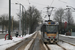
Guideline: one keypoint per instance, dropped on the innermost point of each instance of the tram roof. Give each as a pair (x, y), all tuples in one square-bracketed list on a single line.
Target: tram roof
[(50, 22)]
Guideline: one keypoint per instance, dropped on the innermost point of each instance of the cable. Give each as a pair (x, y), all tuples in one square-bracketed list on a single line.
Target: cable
[(37, 3), (52, 2), (29, 2), (62, 1)]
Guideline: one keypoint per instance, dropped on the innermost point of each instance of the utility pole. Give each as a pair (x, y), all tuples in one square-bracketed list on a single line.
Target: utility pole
[(22, 22), (12, 23), (49, 14), (9, 20), (30, 22), (25, 25), (20, 32)]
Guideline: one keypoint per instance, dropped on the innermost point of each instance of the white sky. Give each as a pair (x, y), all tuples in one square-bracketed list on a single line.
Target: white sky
[(39, 4)]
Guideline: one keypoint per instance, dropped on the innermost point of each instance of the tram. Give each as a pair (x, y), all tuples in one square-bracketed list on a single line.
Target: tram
[(50, 32)]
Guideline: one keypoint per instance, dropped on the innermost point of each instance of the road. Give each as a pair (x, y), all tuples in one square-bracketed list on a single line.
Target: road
[(67, 39), (35, 43), (21, 45)]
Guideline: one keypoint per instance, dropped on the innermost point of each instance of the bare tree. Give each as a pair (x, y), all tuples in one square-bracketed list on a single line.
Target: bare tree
[(31, 18), (5, 21), (69, 18), (59, 16)]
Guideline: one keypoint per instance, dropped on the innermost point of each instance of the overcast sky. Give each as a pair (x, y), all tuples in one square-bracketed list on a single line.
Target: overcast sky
[(39, 4)]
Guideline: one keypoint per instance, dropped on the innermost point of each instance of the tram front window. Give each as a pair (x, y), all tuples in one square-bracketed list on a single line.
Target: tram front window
[(51, 28)]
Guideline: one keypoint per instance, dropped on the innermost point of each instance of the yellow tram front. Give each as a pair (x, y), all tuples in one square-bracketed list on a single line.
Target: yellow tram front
[(50, 32)]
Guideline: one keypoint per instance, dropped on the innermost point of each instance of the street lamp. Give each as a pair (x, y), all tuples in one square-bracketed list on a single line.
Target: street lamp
[(23, 21), (70, 6), (20, 20)]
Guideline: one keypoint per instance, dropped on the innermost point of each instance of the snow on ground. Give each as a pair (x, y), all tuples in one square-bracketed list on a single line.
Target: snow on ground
[(67, 46), (63, 44), (67, 36), (54, 47), (40, 32), (8, 43)]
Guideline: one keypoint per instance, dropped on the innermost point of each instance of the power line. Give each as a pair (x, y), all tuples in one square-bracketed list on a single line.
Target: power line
[(29, 2), (62, 1), (65, 2), (52, 2), (37, 3), (49, 14)]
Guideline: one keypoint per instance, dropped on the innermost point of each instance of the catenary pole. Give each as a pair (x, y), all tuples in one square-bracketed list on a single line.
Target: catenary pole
[(9, 20), (20, 21)]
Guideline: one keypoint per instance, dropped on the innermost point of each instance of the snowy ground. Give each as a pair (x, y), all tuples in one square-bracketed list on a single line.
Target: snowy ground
[(7, 43), (63, 44), (54, 47), (66, 46), (67, 36)]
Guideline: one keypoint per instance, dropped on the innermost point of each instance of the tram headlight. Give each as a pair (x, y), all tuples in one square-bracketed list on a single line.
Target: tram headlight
[(49, 37), (54, 37)]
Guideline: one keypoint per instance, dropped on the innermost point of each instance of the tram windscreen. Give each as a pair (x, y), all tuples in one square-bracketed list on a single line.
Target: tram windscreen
[(51, 28)]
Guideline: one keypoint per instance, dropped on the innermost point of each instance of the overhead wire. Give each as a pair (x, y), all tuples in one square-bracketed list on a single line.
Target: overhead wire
[(65, 2), (62, 1), (29, 2), (36, 3), (52, 2)]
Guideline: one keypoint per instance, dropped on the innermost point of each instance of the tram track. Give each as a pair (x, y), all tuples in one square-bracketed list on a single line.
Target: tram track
[(35, 43), (67, 42), (47, 47), (21, 45), (60, 46), (54, 47), (50, 46), (30, 45)]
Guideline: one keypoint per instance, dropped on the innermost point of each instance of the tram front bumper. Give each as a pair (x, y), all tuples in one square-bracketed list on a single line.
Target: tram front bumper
[(50, 40), (53, 41)]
